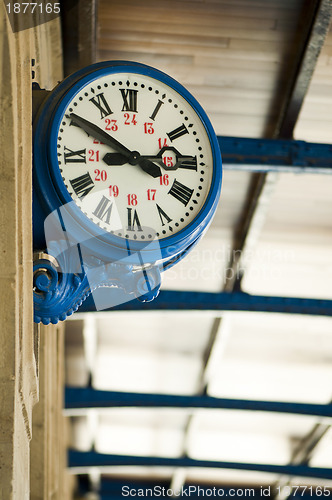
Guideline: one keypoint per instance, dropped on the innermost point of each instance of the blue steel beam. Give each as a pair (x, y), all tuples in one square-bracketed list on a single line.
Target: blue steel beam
[(77, 398), (224, 301), (81, 462), (275, 155)]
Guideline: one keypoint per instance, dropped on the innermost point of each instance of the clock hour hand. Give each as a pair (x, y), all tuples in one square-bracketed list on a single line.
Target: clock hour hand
[(132, 157), (120, 159), (112, 159)]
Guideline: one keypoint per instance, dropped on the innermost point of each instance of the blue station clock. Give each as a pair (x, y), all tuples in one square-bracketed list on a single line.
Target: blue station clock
[(127, 177)]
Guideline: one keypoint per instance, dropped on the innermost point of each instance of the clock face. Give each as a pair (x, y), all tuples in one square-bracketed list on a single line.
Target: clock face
[(134, 156)]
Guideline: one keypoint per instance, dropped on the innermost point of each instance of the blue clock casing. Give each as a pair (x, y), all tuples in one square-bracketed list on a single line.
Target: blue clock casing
[(65, 232)]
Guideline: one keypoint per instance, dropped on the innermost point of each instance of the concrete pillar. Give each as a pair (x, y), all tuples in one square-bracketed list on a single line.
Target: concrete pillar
[(49, 478), (19, 377)]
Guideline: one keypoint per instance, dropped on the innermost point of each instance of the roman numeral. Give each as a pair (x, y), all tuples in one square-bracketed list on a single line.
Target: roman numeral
[(129, 97), (133, 220), (156, 109), (178, 132), (74, 156), (181, 192), (190, 164), (101, 103), (82, 185), (163, 215), (103, 210)]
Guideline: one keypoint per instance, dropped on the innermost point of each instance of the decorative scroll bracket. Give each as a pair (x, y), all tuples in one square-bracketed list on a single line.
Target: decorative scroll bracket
[(63, 280)]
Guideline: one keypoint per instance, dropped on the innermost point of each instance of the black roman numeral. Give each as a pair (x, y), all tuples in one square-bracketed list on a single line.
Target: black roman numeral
[(103, 210), (190, 164), (82, 185), (181, 192), (163, 215), (156, 109), (133, 220), (74, 156), (178, 132), (129, 97), (101, 103)]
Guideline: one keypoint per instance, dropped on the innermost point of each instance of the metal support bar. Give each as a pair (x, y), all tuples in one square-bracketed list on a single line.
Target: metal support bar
[(275, 155), (224, 301), (313, 26), (81, 462), (315, 21), (302, 454), (77, 398)]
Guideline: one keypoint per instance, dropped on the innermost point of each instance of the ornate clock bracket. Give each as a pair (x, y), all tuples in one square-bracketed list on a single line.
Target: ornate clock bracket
[(58, 293)]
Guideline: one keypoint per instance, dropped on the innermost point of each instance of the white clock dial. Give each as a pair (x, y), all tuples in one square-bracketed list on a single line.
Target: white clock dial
[(152, 176)]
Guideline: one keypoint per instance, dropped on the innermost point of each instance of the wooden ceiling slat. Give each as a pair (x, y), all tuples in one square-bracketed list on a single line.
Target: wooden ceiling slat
[(186, 17), (194, 29), (261, 10)]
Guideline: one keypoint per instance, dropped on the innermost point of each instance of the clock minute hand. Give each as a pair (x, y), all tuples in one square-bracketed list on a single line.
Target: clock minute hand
[(100, 134), (132, 157)]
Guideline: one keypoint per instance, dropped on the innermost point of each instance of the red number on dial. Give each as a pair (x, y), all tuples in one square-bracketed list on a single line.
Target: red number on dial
[(101, 175), (148, 128), (151, 194), (164, 180), (114, 191), (130, 120), (168, 161), (110, 125), (94, 155), (132, 199), (162, 143)]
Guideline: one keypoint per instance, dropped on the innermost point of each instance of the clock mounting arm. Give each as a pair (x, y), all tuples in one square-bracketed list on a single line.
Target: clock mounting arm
[(59, 291)]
